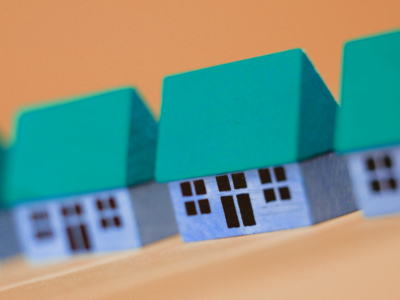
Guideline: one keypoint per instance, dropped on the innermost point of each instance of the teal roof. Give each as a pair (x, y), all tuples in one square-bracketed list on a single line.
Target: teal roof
[(370, 96), (263, 111), (97, 142), (2, 154)]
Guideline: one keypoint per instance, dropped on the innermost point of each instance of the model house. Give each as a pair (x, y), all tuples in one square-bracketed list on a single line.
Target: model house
[(247, 148), (368, 123), (81, 177), (9, 245)]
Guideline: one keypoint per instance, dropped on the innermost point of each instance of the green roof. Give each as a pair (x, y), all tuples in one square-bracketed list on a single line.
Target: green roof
[(263, 111), (97, 142), (370, 96), (2, 154)]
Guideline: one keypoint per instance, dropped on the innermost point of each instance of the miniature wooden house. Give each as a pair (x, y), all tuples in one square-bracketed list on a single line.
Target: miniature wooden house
[(81, 177), (246, 148), (368, 123), (9, 245)]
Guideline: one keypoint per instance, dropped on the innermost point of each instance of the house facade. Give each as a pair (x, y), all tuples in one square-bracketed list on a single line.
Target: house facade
[(80, 224), (101, 221), (375, 176), (367, 124), (81, 178), (241, 203), (9, 245), (246, 148)]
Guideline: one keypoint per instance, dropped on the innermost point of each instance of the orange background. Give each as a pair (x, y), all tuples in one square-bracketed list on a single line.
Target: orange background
[(53, 49)]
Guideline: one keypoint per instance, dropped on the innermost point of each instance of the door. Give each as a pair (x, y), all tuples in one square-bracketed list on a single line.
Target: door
[(76, 228)]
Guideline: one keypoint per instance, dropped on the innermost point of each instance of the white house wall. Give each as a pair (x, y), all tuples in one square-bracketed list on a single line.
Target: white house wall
[(269, 216), (374, 202), (102, 233)]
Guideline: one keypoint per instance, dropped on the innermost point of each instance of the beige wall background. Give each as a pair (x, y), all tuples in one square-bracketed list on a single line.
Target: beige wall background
[(55, 49)]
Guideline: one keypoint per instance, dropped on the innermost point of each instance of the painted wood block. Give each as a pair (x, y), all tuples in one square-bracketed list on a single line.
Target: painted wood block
[(328, 186), (153, 211), (81, 177), (262, 200), (367, 125), (370, 93), (9, 245), (2, 162), (375, 176), (96, 142), (98, 222), (269, 110), (245, 147)]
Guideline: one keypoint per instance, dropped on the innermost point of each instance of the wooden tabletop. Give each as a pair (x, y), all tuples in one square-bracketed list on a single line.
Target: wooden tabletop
[(345, 258)]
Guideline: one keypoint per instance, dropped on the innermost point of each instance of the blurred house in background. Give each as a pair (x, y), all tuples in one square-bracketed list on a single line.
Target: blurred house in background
[(80, 177)]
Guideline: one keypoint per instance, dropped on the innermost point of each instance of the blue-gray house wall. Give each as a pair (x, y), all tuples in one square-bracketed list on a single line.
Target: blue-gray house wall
[(375, 175), (102, 221), (262, 200), (9, 245)]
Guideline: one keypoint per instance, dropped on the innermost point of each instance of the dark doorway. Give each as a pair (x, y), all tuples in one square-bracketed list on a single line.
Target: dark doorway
[(76, 229)]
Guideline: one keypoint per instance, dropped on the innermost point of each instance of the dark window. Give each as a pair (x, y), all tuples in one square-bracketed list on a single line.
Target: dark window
[(387, 161), (284, 192), (265, 176), (65, 211), (78, 209), (44, 234), (112, 202), (186, 189), (39, 215), (269, 195), (85, 237), (223, 183), (375, 185), (99, 205), (246, 210), (41, 225), (71, 210), (280, 174), (392, 183), (78, 237), (200, 187), (371, 164), (117, 221), (190, 208), (77, 234), (204, 206), (239, 181), (111, 222), (106, 207), (230, 212), (73, 232)]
